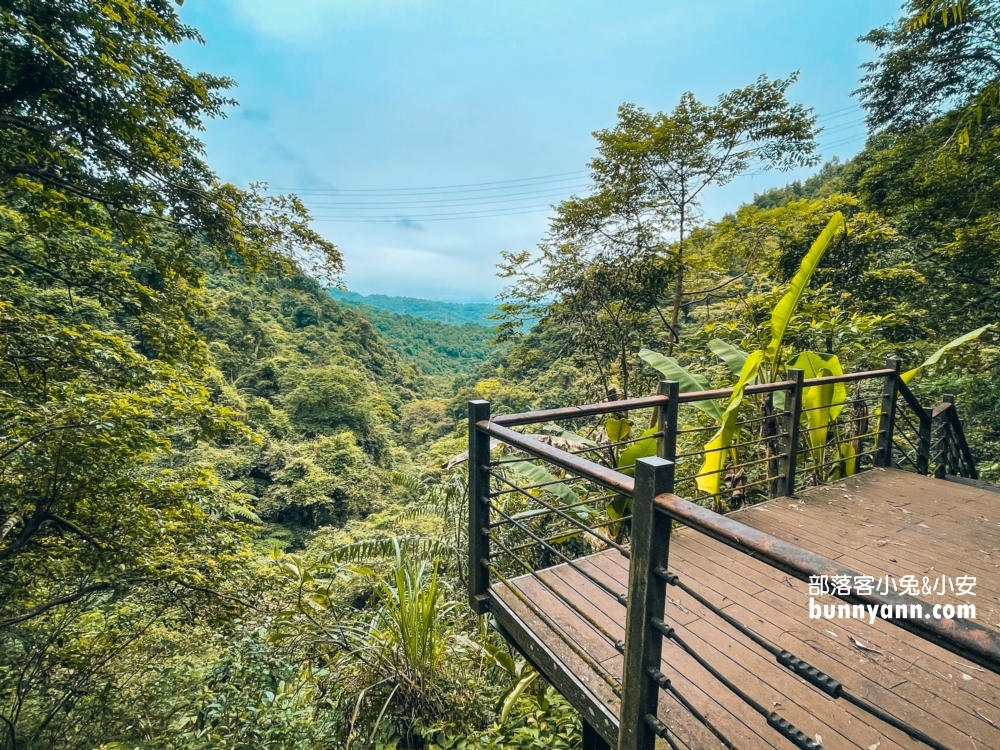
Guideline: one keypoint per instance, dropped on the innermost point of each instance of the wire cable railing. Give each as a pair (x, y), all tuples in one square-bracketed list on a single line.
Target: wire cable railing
[(552, 500)]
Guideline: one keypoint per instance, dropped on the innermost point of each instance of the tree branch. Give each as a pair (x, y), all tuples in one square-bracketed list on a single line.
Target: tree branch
[(57, 602), (70, 526), (727, 282)]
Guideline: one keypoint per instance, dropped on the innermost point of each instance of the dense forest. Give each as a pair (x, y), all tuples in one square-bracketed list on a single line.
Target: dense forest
[(226, 519), (452, 313), (433, 347)]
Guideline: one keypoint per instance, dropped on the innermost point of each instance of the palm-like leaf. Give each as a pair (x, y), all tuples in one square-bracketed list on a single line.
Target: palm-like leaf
[(782, 314)]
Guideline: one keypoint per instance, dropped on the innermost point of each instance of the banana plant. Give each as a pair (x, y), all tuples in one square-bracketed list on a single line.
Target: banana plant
[(761, 364), (716, 450), (783, 312), (907, 376), (821, 404)]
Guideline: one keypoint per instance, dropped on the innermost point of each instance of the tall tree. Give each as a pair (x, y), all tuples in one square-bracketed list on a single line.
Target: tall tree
[(107, 207), (604, 269), (939, 56), (668, 160)]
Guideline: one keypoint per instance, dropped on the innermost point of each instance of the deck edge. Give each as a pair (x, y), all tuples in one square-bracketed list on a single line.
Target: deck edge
[(555, 671)]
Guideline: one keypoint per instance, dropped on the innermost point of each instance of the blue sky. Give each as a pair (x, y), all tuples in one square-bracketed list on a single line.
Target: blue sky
[(429, 136)]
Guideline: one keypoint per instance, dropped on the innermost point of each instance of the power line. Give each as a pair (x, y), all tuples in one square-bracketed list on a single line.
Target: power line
[(475, 187), (499, 198), (480, 200), (838, 113), (440, 214), (842, 126), (423, 219), (844, 141)]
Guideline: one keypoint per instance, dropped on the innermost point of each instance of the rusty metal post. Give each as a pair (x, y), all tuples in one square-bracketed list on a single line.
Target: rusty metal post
[(479, 508), (646, 599), (940, 448), (887, 418), (790, 446), (924, 441), (948, 443), (666, 445)]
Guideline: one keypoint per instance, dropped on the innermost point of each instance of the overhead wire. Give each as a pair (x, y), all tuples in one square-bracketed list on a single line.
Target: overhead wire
[(492, 199)]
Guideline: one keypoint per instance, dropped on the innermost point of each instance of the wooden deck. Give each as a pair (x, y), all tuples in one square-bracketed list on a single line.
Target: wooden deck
[(879, 522)]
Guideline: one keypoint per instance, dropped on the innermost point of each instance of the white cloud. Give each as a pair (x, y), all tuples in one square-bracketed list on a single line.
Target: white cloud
[(416, 272)]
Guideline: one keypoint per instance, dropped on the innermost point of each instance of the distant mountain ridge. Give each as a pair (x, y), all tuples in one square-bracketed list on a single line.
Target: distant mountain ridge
[(451, 313)]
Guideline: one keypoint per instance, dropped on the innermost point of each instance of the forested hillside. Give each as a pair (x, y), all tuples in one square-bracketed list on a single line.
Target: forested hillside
[(433, 347), (452, 313), (226, 519)]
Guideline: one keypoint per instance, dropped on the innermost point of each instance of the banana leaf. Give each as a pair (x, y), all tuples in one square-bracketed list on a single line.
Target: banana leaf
[(847, 461), (821, 404), (622, 505), (688, 381), (715, 456), (907, 376), (782, 314), (731, 355), (536, 474), (641, 449), (617, 429)]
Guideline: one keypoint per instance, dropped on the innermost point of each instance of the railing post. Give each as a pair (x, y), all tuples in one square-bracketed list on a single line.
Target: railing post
[(479, 509), (966, 460), (887, 418), (793, 417), (666, 446), (924, 441), (949, 434), (646, 599), (941, 447)]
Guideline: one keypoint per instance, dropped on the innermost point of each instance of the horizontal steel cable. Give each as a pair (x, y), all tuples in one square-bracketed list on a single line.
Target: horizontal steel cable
[(661, 730), (557, 511), (839, 460), (564, 637), (758, 441), (574, 608), (800, 667), (561, 534), (538, 513), (619, 597), (665, 684), (565, 480), (785, 728)]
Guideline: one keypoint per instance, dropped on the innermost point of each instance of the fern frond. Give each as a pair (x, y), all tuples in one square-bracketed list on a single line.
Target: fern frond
[(399, 479), (410, 547)]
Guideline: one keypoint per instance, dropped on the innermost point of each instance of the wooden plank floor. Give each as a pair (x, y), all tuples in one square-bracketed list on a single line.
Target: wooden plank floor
[(879, 522)]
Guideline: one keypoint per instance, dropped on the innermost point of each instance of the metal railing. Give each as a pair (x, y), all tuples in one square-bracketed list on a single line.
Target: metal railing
[(611, 476)]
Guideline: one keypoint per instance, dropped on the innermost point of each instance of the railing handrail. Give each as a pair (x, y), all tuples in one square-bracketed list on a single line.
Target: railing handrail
[(646, 402), (608, 478), (656, 506), (962, 637)]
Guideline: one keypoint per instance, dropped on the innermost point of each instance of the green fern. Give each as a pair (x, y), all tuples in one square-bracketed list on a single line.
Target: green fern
[(413, 547)]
